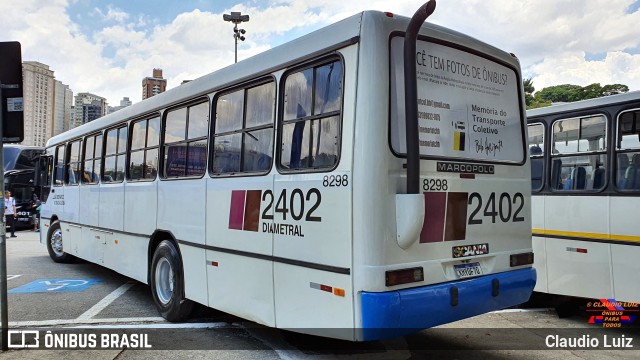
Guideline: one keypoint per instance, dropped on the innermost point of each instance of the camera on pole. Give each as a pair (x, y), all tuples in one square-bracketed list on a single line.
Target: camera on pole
[(238, 34)]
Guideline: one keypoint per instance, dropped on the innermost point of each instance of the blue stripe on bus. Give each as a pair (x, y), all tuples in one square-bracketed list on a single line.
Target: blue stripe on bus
[(401, 312)]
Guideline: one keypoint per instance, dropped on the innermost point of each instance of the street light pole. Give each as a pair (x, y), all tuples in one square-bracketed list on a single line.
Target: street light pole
[(236, 18), (235, 36)]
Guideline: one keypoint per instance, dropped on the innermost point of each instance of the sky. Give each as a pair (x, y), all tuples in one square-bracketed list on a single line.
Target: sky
[(106, 47)]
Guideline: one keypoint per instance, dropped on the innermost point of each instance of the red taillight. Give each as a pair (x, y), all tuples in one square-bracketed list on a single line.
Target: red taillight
[(389, 14), (521, 259), (404, 276)]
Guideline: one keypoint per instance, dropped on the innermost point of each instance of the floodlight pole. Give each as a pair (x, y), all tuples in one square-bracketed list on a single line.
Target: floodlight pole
[(235, 33), (236, 18)]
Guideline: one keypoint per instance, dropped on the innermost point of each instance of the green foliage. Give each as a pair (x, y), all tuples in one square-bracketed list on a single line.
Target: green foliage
[(537, 103), (614, 89), (528, 91), (559, 93), (528, 86), (567, 93)]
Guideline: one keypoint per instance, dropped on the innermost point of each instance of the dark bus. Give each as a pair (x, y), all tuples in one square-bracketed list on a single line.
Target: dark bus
[(19, 169)]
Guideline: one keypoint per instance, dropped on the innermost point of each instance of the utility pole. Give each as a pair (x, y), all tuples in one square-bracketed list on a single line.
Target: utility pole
[(238, 34), (11, 130)]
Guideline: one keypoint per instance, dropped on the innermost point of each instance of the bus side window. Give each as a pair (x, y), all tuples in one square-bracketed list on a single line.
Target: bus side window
[(115, 154), (623, 164), (598, 178), (578, 178), (311, 129), (185, 140), (628, 172), (243, 140), (58, 170), (556, 179), (632, 176), (537, 167)]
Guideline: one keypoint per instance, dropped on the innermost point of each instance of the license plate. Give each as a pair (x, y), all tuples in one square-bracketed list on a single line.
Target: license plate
[(468, 270)]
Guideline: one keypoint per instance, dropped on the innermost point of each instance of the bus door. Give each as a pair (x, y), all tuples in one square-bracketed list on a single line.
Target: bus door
[(55, 201), (72, 231), (240, 274), (42, 181), (42, 177), (237, 223), (311, 204)]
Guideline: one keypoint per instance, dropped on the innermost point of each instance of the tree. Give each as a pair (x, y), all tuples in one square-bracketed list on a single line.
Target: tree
[(614, 89), (568, 92), (560, 93), (538, 103), (528, 91), (528, 86)]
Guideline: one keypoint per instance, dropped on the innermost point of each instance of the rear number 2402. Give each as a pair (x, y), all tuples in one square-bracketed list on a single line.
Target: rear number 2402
[(508, 209)]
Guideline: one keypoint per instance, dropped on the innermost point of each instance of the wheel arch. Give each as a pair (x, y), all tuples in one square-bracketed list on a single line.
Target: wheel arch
[(156, 238)]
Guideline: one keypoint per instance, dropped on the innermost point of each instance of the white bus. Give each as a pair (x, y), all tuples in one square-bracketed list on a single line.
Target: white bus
[(277, 189), (585, 159)]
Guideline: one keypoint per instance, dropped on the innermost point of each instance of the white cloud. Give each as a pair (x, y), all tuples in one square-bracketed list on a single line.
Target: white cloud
[(112, 15), (552, 38), (117, 15), (572, 68)]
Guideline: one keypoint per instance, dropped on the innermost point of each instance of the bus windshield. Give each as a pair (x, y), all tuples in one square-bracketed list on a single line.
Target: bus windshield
[(18, 158)]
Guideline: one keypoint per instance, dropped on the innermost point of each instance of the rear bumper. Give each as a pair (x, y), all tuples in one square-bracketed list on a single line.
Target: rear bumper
[(397, 313)]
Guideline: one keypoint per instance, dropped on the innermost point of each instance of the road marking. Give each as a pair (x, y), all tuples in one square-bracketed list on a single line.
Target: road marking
[(102, 304), (59, 284), (11, 277), (55, 285), (214, 325), (69, 322)]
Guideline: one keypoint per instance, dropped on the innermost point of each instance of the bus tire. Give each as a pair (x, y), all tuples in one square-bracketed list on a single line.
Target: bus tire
[(54, 245), (167, 283)]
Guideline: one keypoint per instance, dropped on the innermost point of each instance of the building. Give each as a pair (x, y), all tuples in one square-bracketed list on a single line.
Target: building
[(153, 85), (88, 107), (61, 108), (38, 94), (123, 104)]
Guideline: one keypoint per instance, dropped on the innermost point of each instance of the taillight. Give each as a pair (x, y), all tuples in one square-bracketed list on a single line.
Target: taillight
[(404, 276), (521, 259)]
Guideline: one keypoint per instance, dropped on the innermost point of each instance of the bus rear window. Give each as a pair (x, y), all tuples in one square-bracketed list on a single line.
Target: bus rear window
[(468, 105)]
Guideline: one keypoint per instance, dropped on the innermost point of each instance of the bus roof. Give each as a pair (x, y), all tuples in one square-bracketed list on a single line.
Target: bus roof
[(585, 104), (334, 36)]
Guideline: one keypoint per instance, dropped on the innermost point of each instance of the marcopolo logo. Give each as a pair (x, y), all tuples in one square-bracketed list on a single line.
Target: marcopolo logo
[(465, 168)]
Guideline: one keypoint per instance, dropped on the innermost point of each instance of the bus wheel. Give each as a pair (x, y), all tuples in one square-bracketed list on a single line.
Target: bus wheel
[(54, 245), (167, 283)]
